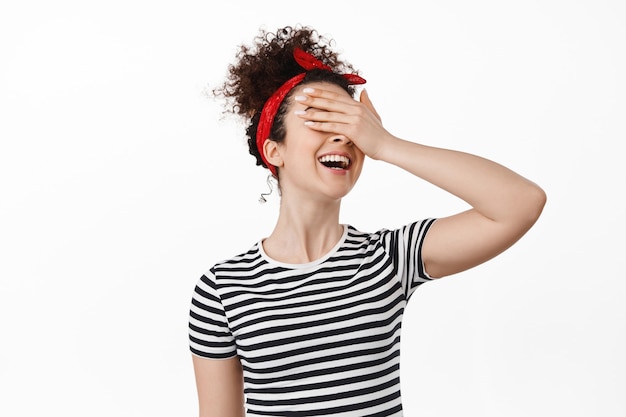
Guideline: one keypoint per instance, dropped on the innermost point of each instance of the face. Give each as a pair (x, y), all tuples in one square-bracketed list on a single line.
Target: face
[(315, 164)]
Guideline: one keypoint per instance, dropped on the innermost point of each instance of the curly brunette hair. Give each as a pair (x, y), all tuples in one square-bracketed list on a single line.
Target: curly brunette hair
[(260, 69)]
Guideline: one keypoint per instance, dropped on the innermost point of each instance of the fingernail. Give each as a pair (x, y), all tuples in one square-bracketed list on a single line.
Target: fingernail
[(299, 112), (299, 98), (307, 90)]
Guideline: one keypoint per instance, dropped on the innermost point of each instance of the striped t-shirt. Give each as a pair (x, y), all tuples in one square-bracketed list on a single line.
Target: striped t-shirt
[(314, 339)]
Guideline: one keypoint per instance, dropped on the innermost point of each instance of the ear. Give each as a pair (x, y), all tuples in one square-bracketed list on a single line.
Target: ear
[(272, 150)]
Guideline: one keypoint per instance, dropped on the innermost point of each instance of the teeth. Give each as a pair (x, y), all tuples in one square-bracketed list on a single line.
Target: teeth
[(343, 160)]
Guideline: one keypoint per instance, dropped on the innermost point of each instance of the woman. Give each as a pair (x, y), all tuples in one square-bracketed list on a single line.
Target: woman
[(307, 321)]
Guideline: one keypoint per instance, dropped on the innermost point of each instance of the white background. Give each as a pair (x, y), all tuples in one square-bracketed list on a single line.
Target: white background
[(120, 186)]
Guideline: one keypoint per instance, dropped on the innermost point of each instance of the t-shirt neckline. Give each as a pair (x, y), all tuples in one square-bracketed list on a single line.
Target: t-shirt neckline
[(316, 262)]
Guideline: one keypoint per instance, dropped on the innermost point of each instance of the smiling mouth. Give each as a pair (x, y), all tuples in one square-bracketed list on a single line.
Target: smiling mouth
[(335, 161)]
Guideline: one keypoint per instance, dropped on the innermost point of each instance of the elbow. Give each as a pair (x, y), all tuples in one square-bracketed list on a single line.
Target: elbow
[(532, 202)]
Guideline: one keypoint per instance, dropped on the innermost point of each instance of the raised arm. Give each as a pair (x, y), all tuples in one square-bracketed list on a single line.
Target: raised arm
[(504, 205), (220, 387)]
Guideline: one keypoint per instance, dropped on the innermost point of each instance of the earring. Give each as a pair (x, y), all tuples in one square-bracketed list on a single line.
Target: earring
[(262, 198)]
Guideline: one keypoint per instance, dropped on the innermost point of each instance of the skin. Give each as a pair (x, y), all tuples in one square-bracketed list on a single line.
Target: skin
[(323, 118), (220, 387)]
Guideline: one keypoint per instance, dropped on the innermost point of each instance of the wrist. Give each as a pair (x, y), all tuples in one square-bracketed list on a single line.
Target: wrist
[(385, 148)]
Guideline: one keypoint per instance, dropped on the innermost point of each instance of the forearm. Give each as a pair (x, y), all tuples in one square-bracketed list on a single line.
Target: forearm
[(493, 190)]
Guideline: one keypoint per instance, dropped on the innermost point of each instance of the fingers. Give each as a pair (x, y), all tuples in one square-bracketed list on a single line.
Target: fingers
[(326, 110), (329, 101), (365, 99), (338, 112), (325, 100)]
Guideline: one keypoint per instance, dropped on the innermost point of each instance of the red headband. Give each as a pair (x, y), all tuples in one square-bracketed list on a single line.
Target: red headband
[(308, 62)]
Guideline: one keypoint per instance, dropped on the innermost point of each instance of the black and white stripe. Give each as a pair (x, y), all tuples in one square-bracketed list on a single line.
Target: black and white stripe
[(316, 339)]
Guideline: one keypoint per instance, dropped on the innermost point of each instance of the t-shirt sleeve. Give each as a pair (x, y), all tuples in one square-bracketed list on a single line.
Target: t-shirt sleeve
[(209, 333), (404, 245)]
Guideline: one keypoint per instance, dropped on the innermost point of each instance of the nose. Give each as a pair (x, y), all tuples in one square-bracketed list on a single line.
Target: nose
[(341, 139)]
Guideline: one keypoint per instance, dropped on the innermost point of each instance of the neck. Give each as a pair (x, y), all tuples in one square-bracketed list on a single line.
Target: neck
[(304, 231)]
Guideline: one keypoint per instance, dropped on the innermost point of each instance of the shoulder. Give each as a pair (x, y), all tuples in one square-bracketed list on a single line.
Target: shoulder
[(416, 228), (240, 260)]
